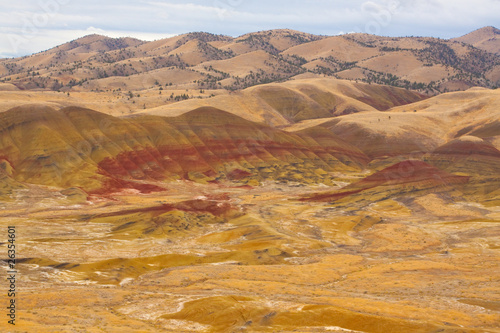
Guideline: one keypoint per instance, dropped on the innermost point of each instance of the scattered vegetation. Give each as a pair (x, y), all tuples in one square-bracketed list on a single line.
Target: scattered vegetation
[(79, 62)]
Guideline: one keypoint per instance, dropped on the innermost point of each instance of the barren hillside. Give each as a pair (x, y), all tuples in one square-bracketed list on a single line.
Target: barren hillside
[(274, 182)]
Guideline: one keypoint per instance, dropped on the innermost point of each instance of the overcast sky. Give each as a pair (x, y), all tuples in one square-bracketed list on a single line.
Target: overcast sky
[(30, 26)]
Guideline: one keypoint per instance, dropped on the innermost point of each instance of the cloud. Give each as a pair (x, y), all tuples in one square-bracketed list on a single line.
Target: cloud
[(442, 18)]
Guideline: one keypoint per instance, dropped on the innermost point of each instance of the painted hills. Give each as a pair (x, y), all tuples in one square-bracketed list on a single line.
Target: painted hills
[(308, 132), (265, 183), (74, 147)]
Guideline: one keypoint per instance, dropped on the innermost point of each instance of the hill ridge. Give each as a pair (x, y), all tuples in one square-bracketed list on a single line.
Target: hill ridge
[(78, 147), (424, 64)]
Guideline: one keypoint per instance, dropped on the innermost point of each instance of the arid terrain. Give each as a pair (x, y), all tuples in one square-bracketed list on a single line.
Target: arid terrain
[(274, 182)]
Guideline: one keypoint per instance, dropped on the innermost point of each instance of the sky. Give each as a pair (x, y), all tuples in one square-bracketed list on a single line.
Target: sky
[(31, 26)]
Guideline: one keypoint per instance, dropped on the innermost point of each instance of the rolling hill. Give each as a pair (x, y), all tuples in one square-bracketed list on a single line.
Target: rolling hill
[(282, 104), (220, 62), (274, 182), (487, 39), (75, 147)]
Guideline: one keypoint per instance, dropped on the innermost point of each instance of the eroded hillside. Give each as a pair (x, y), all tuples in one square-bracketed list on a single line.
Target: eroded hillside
[(310, 205)]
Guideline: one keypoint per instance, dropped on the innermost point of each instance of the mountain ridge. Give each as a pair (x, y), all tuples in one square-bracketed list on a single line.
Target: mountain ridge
[(486, 38), (425, 64)]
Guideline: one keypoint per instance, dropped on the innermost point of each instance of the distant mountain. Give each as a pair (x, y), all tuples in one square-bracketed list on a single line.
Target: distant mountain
[(97, 43), (487, 39), (202, 60)]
